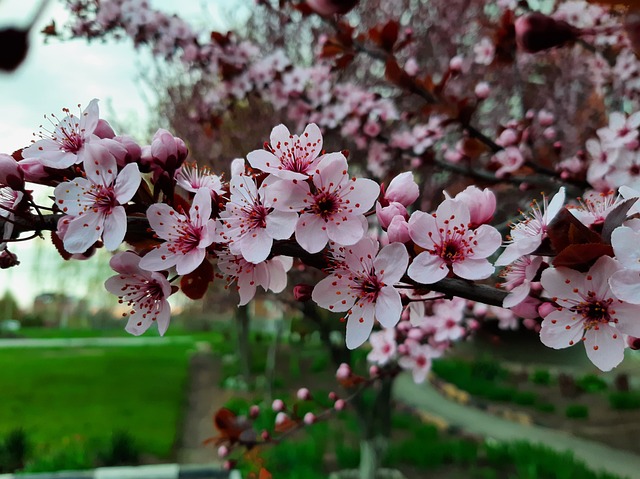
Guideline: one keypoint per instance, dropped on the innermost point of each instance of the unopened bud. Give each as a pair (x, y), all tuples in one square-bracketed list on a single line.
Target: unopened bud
[(254, 411), (303, 394), (302, 292), (309, 418), (223, 451), (633, 342), (278, 405), (482, 90), (331, 7), (339, 405), (344, 371), (374, 371)]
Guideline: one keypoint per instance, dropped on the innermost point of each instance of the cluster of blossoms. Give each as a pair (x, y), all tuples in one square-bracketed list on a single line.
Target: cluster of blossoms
[(295, 195), (294, 203)]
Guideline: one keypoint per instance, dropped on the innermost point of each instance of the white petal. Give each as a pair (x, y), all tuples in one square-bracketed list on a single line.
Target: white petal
[(427, 268), (604, 347), (359, 325), (388, 307), (115, 228)]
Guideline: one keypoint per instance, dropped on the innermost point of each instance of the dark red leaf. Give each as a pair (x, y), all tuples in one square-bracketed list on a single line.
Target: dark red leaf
[(566, 230), (616, 217), (389, 35), (195, 284), (582, 256)]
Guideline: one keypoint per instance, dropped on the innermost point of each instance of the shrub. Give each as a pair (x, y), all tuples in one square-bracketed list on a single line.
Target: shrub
[(70, 454), (524, 398), (13, 451), (624, 400), (577, 411), (546, 407), (591, 383), (122, 450), (541, 376)]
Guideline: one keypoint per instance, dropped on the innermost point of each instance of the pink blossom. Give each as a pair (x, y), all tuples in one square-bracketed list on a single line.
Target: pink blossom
[(481, 204), (594, 207), (146, 292), (621, 130), (484, 51), (364, 288), (625, 283), (191, 177), (95, 203), (186, 237), (527, 235), (510, 159), (334, 209), (418, 360), (270, 275), (482, 90), (165, 154), (65, 146), (249, 224), (291, 157), (403, 189), (518, 277), (450, 245), (589, 312), (383, 344)]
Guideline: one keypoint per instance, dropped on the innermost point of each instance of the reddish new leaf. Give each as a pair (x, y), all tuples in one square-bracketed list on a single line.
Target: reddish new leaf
[(389, 35), (264, 474), (581, 256), (566, 230), (397, 75), (194, 285)]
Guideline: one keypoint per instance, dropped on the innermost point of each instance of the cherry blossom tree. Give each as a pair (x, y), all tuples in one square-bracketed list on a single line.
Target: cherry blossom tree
[(394, 181)]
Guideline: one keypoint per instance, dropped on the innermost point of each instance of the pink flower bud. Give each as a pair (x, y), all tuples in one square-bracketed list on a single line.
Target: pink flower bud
[(331, 7), (333, 396), (265, 435), (536, 32), (33, 170), (549, 133), (508, 137), (254, 411), (545, 118), (11, 174), (481, 203), (387, 213), (344, 371), (132, 151), (456, 64), (545, 309), (398, 230), (277, 405), (402, 189), (339, 405), (104, 130), (411, 67), (374, 371), (303, 394), (403, 349), (223, 451), (633, 343), (281, 417), (302, 292), (309, 418), (531, 324), (482, 90)]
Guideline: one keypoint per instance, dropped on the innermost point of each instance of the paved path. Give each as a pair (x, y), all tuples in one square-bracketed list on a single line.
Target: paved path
[(596, 455), (92, 342)]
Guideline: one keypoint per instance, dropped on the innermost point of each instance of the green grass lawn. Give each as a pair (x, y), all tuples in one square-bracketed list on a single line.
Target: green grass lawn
[(57, 394)]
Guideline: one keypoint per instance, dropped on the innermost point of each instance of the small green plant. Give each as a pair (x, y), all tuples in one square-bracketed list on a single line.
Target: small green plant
[(71, 454), (577, 411), (591, 383), (624, 400), (541, 376), (524, 398), (13, 451), (546, 407), (122, 450)]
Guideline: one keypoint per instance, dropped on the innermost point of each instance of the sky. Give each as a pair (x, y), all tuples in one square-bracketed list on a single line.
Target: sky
[(60, 74)]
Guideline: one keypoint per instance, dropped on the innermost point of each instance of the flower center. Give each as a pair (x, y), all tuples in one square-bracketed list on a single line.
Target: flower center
[(105, 200), (594, 311), (326, 205)]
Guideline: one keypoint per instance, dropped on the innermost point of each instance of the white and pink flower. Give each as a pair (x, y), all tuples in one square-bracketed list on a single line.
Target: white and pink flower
[(249, 223), (589, 312), (383, 346), (65, 146), (145, 291), (270, 275), (450, 245), (186, 237), (95, 203), (334, 209), (363, 288), (527, 235), (291, 157)]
